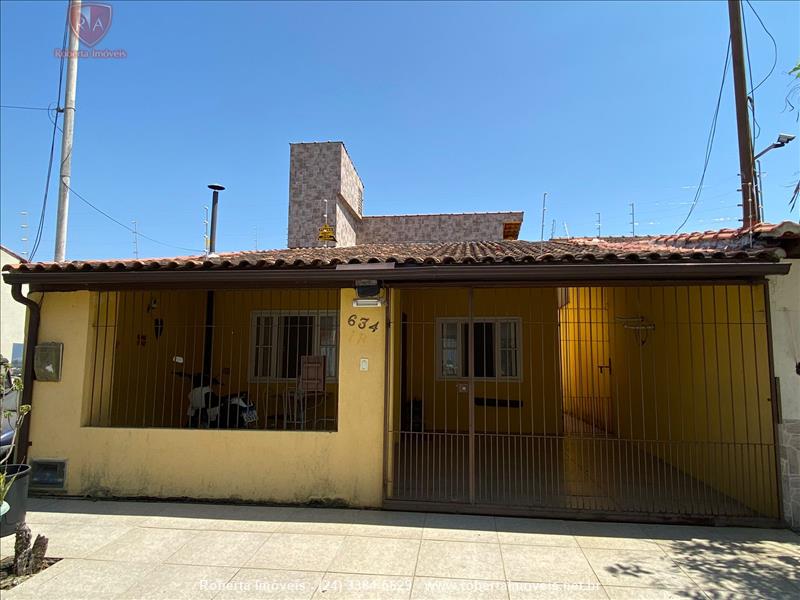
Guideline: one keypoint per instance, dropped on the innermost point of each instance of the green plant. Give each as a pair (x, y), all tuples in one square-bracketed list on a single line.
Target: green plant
[(21, 412)]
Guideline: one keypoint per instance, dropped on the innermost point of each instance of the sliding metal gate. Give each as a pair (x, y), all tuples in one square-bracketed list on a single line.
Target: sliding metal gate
[(646, 402)]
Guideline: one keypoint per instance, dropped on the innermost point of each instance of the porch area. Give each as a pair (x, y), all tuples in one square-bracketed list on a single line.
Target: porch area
[(647, 403)]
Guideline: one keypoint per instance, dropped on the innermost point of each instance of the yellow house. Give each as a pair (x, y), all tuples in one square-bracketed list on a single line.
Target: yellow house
[(562, 378)]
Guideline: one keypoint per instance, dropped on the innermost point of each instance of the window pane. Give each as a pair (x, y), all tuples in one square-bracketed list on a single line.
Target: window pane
[(484, 349), (508, 349), (327, 343), (262, 346), (297, 341), (449, 349)]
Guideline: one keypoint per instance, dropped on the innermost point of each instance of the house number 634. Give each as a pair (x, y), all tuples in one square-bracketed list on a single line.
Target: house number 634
[(363, 323)]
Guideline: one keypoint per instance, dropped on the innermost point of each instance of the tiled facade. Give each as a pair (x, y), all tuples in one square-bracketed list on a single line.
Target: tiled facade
[(465, 227), (323, 170), (789, 452)]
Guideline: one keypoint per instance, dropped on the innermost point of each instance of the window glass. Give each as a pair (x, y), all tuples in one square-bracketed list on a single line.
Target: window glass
[(327, 343), (495, 348), (297, 334), (449, 345), (263, 346)]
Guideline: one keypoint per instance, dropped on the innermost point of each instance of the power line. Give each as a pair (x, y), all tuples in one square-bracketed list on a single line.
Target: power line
[(40, 226), (124, 226), (774, 47), (710, 140), (15, 107)]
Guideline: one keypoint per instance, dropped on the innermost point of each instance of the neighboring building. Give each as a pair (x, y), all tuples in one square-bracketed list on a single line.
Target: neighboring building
[(323, 171), (12, 314), (631, 378)]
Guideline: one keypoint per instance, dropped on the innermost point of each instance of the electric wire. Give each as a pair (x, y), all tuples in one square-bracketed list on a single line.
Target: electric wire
[(135, 232), (17, 107), (710, 140), (40, 227), (774, 47)]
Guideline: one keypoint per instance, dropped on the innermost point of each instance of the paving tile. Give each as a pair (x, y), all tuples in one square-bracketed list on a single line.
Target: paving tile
[(637, 593), (434, 588), (297, 551), (319, 520), (464, 560), (546, 565), (93, 579), (68, 511), (77, 541), (526, 590), (534, 532), (364, 587), (189, 516), (264, 519), (172, 582), (460, 528), (31, 586), (743, 574), (376, 556), (618, 543), (267, 584), (143, 545), (636, 568), (384, 523), (218, 548)]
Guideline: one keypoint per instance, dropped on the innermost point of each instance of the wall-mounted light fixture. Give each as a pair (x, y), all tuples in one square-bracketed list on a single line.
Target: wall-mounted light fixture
[(368, 292)]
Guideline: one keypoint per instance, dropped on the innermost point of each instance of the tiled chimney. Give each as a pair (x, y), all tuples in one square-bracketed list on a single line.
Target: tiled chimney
[(320, 171)]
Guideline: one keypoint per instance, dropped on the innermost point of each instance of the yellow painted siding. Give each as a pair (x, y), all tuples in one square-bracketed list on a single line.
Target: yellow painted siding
[(690, 377), (444, 406), (280, 466)]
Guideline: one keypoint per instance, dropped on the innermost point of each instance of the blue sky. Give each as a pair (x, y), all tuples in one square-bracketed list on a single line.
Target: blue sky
[(443, 108)]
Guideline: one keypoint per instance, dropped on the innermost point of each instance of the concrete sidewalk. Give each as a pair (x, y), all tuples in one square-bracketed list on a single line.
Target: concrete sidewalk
[(170, 550)]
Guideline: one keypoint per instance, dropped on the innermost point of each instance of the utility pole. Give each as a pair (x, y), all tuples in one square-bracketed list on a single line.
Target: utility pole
[(746, 168), (598, 224), (544, 211), (633, 221), (74, 18)]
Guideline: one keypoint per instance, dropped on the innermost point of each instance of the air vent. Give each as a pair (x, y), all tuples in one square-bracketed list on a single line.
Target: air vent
[(48, 474)]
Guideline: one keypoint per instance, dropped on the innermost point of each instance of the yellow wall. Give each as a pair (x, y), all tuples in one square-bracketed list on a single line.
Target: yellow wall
[(696, 387), (280, 466), (585, 357), (445, 407)]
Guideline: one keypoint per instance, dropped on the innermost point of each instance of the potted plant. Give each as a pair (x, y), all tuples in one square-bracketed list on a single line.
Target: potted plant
[(13, 477)]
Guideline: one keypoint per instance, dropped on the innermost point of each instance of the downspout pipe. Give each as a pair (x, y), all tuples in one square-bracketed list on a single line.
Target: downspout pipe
[(31, 339)]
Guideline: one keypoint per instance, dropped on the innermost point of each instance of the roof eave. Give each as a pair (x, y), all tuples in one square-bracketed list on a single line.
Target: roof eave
[(553, 273)]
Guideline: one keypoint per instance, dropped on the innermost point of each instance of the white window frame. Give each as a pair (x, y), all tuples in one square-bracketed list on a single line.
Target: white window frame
[(460, 321), (277, 317)]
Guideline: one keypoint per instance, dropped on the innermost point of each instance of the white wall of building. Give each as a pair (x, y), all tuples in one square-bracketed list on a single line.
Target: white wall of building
[(12, 313)]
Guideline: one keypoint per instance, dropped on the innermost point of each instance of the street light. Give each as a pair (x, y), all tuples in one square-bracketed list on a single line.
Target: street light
[(783, 139)]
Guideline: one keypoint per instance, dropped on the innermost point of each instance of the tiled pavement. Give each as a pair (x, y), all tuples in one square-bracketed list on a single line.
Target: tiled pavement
[(168, 550)]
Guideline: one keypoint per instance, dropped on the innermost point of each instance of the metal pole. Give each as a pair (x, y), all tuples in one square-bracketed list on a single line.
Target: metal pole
[(68, 130), (598, 225), (544, 211), (746, 170), (135, 241), (212, 241), (633, 221)]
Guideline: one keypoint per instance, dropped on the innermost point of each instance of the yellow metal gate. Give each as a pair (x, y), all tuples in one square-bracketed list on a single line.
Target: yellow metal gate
[(641, 402)]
